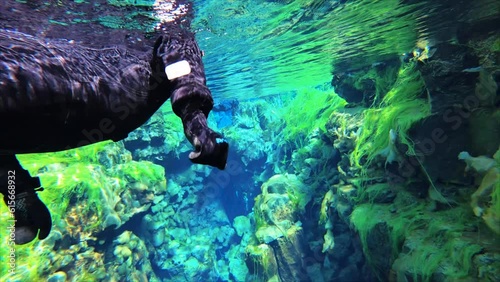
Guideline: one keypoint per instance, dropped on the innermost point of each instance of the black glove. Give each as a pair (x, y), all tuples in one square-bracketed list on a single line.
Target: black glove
[(31, 216), (210, 147)]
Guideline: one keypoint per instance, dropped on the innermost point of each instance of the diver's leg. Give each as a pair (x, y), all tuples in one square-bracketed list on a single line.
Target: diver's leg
[(19, 194)]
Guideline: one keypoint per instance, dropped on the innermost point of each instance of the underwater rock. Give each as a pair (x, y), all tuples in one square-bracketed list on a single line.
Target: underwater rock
[(122, 251), (158, 238), (242, 225), (247, 135), (66, 260), (93, 189), (344, 210), (148, 142), (237, 267), (329, 241), (463, 95), (289, 185), (475, 30), (150, 224), (327, 205), (420, 258), (222, 270), (186, 232), (438, 245), (111, 220), (342, 248), (378, 241), (484, 127), (446, 82), (281, 259), (443, 196), (224, 234), (453, 96), (312, 163), (243, 139), (288, 252), (267, 234), (347, 90), (261, 263), (178, 233), (104, 197), (485, 202), (349, 273), (437, 143), (365, 85), (59, 276), (315, 272), (54, 237), (278, 231), (379, 193), (123, 238), (274, 215), (172, 247), (201, 253), (347, 194), (488, 266), (343, 129), (193, 268), (129, 259)]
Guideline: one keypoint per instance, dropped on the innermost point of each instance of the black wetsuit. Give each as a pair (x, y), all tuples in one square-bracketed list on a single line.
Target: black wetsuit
[(55, 95), (88, 95)]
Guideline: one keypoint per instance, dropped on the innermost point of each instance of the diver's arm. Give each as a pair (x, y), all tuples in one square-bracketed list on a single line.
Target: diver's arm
[(56, 96), (191, 99)]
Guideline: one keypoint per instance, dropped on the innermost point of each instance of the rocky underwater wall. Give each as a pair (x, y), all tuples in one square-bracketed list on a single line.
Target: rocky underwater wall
[(411, 186)]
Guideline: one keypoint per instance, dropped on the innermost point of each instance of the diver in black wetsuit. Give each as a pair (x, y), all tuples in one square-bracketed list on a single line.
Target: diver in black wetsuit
[(56, 96)]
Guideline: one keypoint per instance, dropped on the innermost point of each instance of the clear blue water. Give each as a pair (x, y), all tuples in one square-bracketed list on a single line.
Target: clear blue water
[(313, 189)]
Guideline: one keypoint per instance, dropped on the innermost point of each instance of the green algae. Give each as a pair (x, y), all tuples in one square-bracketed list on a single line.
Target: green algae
[(422, 243), (402, 107), (80, 184), (496, 45), (66, 175), (308, 110), (382, 79), (263, 264), (89, 174), (25, 257), (372, 193)]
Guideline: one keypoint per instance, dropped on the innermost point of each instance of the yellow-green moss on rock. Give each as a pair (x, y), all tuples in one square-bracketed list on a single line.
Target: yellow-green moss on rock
[(87, 190)]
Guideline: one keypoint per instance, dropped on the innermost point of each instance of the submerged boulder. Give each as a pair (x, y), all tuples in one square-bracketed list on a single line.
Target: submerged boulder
[(485, 201), (91, 192), (278, 251), (366, 85), (462, 96)]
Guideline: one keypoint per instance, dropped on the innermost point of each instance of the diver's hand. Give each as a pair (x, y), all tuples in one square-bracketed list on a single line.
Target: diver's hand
[(32, 218), (210, 148)]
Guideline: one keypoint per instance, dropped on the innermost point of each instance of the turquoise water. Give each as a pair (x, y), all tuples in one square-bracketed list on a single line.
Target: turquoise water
[(364, 146), (263, 48)]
